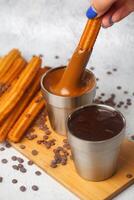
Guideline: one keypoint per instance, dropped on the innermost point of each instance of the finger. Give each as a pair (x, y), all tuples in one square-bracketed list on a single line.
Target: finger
[(120, 13), (99, 7), (107, 19)]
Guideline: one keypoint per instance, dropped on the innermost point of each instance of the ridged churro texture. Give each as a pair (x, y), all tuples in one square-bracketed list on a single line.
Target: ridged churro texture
[(22, 97)]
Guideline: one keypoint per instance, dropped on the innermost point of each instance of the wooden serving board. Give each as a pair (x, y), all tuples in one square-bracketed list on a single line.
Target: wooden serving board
[(67, 175)]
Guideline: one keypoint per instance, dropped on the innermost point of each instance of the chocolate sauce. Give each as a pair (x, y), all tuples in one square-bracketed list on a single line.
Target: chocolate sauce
[(95, 123)]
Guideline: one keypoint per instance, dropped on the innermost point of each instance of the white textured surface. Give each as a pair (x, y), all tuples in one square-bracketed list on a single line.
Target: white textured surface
[(53, 27)]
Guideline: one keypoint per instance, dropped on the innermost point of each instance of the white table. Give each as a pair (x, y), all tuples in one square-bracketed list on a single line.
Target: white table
[(53, 27)]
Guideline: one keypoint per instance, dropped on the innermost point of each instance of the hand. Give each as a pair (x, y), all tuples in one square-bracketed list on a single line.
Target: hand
[(112, 10)]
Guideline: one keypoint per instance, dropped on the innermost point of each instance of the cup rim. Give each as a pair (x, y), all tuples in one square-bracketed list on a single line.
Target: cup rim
[(64, 97), (98, 105)]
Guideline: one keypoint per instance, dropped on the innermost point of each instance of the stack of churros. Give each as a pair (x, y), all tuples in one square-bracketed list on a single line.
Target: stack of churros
[(20, 96)]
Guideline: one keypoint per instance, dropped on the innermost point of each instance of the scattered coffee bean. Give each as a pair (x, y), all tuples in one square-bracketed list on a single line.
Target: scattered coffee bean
[(92, 68), (48, 145), (102, 94), (35, 187), (119, 87), (97, 87), (8, 145), (41, 55), (53, 164), (56, 57), (125, 92), (65, 141), (23, 170), (34, 152), (48, 132), (20, 165), (22, 146), (125, 106), (129, 175), (14, 158), (45, 137), (30, 162), (1, 179), (63, 161), (14, 181), (114, 69), (22, 188), (109, 73), (38, 173), (97, 79), (40, 141), (4, 161), (132, 137), (2, 149), (20, 160), (15, 167)]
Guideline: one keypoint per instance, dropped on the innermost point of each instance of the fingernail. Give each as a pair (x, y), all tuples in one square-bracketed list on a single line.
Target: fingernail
[(111, 21), (91, 13)]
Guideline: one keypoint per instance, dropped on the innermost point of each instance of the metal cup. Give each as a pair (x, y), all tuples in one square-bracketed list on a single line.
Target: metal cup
[(59, 107), (96, 160)]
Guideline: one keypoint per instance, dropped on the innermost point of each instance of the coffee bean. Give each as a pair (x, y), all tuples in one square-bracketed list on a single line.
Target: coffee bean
[(92, 68), (48, 145), (119, 87), (22, 146), (4, 161), (97, 87), (132, 137), (8, 145), (56, 57), (20, 160), (20, 165), (121, 102), (109, 73), (48, 132), (38, 173), (30, 162), (125, 92), (22, 188), (53, 165), (129, 175), (14, 158), (1, 179), (125, 106), (15, 167), (45, 137), (97, 79), (40, 141), (65, 141), (114, 69), (102, 94), (35, 187), (34, 152), (129, 103), (63, 162), (2, 149), (41, 55), (23, 170), (14, 181)]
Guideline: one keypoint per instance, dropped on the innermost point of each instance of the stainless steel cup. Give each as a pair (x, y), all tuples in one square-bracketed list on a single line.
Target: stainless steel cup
[(59, 107), (96, 160)]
